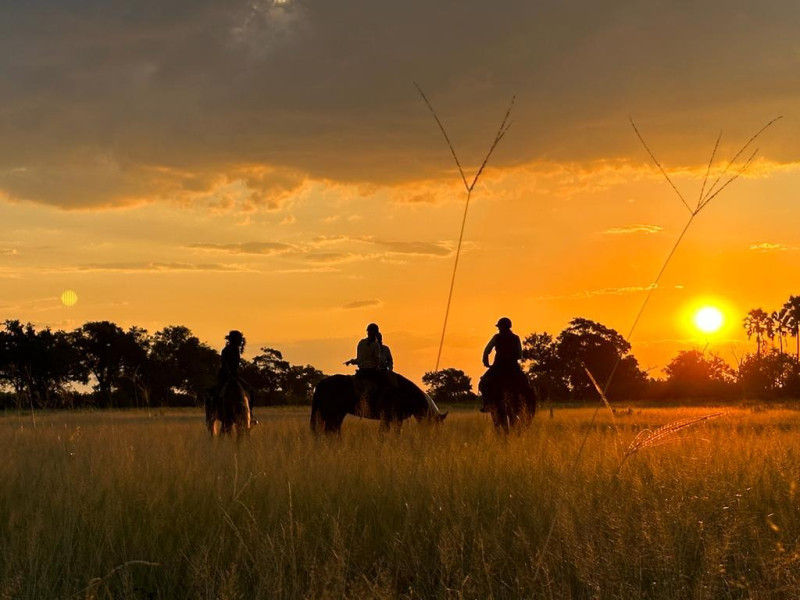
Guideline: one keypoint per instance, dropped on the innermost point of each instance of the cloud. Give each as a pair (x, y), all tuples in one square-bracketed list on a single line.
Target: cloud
[(361, 304), (239, 104), (618, 291), (308, 270), (267, 248), (769, 247), (8, 252), (633, 229), (156, 267), (354, 249), (417, 248)]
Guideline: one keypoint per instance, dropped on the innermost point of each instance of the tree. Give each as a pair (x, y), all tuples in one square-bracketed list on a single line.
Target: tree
[(449, 385), (792, 308), (759, 324), (692, 373), (780, 325), (586, 344), (300, 384), (39, 366), (268, 374), (769, 374), (105, 351), (180, 362), (543, 364)]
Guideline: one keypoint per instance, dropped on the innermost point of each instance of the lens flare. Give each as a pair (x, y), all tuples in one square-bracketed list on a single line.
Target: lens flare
[(69, 298), (709, 319)]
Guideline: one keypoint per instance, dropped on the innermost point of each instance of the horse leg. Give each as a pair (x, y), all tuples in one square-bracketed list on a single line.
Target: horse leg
[(385, 425), (333, 423)]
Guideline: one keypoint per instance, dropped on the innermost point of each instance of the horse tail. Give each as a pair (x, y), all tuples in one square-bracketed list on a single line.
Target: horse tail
[(317, 422)]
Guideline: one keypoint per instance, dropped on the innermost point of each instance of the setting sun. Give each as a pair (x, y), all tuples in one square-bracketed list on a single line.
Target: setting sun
[(709, 319)]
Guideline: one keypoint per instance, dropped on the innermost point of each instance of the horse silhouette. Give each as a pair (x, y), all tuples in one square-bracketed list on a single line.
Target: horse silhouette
[(511, 406), (228, 409), (340, 395)]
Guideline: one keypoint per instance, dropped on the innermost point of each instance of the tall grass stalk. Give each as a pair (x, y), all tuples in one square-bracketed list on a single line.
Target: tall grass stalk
[(505, 125), (704, 199)]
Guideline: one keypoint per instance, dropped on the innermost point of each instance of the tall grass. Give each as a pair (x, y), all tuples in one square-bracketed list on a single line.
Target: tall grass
[(118, 505)]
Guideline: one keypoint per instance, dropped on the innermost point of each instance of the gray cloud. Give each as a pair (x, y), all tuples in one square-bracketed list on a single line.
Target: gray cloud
[(361, 304), (268, 248), (111, 103), (311, 251)]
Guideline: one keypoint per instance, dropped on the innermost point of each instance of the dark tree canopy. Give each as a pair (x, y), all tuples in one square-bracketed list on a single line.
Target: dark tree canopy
[(558, 366), (449, 385)]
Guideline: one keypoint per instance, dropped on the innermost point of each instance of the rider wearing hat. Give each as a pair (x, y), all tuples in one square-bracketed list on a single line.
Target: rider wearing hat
[(507, 354), (228, 373), (230, 356)]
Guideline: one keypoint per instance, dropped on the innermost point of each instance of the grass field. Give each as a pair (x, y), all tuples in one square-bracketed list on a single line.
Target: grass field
[(127, 505)]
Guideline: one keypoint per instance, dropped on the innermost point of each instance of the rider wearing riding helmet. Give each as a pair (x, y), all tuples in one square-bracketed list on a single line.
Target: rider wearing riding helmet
[(507, 354)]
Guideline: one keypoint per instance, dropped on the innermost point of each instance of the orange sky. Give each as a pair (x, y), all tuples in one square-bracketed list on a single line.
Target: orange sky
[(269, 167)]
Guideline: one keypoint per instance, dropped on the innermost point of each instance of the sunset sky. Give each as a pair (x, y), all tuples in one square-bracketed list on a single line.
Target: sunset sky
[(269, 166)]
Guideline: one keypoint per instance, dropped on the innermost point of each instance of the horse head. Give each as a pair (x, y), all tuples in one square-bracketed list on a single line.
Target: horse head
[(431, 412)]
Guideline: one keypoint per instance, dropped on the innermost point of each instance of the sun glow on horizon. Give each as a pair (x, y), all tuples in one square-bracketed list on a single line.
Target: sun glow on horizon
[(709, 319)]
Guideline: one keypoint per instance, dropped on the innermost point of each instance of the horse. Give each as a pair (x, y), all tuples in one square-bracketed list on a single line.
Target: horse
[(340, 395), (229, 411), (511, 406)]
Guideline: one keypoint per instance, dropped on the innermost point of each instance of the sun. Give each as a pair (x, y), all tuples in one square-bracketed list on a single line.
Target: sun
[(709, 319), (69, 298)]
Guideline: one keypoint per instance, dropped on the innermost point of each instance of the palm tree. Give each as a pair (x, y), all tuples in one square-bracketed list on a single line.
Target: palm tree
[(758, 323), (792, 308), (780, 325)]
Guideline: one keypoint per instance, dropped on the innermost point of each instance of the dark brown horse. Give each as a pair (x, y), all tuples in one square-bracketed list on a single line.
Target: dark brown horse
[(228, 409), (511, 405), (340, 395)]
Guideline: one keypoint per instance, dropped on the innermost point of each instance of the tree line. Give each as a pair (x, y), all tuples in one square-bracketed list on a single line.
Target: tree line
[(172, 367), (558, 365), (131, 368)]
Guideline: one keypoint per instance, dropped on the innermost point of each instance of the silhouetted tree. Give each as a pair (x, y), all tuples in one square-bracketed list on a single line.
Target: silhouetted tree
[(449, 385), (769, 374), (180, 362), (792, 308), (780, 325), (586, 343), (136, 366), (105, 351), (276, 381), (692, 373), (38, 366), (544, 366), (267, 373), (759, 324), (300, 383)]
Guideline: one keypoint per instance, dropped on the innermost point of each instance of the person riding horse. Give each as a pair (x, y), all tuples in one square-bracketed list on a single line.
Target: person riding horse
[(375, 365), (228, 374), (505, 369)]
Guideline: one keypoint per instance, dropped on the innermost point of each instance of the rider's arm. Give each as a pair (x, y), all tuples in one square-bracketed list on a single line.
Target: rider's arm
[(388, 361), (488, 350), (519, 349)]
